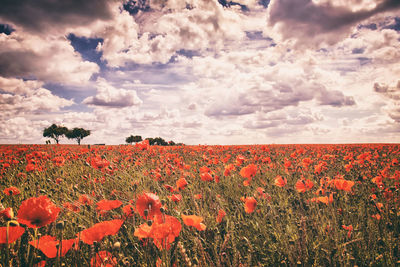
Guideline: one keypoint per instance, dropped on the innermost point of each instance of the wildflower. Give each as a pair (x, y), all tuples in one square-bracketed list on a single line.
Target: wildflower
[(349, 229), (14, 232), (194, 220), (149, 202), (163, 230), (36, 212), (105, 204), (175, 197), (250, 204), (279, 181), (181, 184), (304, 185), (48, 245), (342, 184), (128, 210), (221, 215), (11, 191), (98, 231)]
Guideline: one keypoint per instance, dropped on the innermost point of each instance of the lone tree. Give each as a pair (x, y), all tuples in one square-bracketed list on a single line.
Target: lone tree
[(78, 134), (131, 139), (55, 132)]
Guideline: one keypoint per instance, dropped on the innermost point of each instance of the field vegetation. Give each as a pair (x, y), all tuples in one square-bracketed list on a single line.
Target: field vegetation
[(255, 205)]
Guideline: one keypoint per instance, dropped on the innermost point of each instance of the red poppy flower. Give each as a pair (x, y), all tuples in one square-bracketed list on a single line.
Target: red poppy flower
[(143, 231), (128, 210), (279, 181), (324, 199), (250, 204), (74, 207), (304, 185), (169, 188), (249, 171), (14, 232), (194, 220), (181, 184), (221, 215), (48, 245), (228, 169), (342, 184), (85, 200), (198, 196), (36, 212), (103, 259), (164, 230), (176, 197), (98, 231), (59, 161), (349, 229), (105, 204), (149, 202), (11, 191), (206, 176)]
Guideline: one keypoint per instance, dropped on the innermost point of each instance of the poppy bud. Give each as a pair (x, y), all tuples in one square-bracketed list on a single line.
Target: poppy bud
[(60, 225), (146, 213), (81, 228), (162, 201), (117, 245), (162, 210), (7, 213), (149, 222)]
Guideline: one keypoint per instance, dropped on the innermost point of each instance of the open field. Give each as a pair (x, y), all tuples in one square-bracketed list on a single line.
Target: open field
[(258, 205)]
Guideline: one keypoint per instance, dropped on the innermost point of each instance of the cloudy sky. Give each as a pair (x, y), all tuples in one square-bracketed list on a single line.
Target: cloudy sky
[(201, 71)]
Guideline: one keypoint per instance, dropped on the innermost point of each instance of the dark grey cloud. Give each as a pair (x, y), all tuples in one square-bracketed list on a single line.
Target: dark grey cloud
[(41, 15), (311, 23)]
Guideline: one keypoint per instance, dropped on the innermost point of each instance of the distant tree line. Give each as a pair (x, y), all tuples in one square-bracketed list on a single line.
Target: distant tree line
[(152, 141), (56, 132)]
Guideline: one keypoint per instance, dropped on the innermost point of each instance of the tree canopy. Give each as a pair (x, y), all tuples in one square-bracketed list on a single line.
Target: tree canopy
[(78, 134), (55, 132), (131, 139)]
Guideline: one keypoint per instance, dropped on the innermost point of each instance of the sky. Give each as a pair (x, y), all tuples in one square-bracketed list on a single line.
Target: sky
[(201, 71)]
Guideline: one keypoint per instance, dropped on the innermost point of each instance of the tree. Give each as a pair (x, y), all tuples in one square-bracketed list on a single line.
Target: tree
[(131, 139), (78, 134), (157, 141), (55, 132)]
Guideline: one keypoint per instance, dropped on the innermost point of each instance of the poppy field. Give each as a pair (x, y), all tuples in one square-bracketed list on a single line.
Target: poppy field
[(255, 205)]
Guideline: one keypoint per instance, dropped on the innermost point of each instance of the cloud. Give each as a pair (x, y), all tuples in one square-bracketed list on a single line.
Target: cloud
[(310, 24), (170, 27), (42, 16), (28, 97), (392, 93), (109, 96), (47, 59)]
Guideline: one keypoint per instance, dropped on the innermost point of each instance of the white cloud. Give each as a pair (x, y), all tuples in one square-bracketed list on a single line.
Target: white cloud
[(109, 96)]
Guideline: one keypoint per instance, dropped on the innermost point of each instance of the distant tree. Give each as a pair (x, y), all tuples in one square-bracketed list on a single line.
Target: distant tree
[(157, 141), (171, 143), (55, 132), (131, 139), (78, 134)]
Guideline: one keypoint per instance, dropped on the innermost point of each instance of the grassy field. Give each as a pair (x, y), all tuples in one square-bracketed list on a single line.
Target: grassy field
[(258, 205)]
